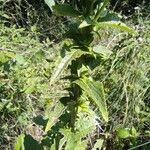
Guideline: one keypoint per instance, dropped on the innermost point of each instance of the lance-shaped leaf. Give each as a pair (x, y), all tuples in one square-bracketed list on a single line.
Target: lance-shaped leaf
[(96, 92), (115, 24), (50, 3), (65, 10), (75, 53)]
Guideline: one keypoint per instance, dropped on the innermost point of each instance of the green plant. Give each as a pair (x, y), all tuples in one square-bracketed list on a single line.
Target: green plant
[(84, 107)]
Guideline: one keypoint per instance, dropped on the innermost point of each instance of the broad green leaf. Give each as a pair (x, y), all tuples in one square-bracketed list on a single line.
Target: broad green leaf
[(123, 133), (104, 51), (54, 115), (96, 92), (75, 53), (50, 3), (115, 24), (19, 145), (98, 144), (65, 10)]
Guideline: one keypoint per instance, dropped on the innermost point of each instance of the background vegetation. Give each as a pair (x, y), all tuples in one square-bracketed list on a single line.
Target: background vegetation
[(30, 38)]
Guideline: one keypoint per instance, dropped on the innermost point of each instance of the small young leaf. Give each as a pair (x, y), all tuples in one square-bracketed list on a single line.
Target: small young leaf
[(65, 10)]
